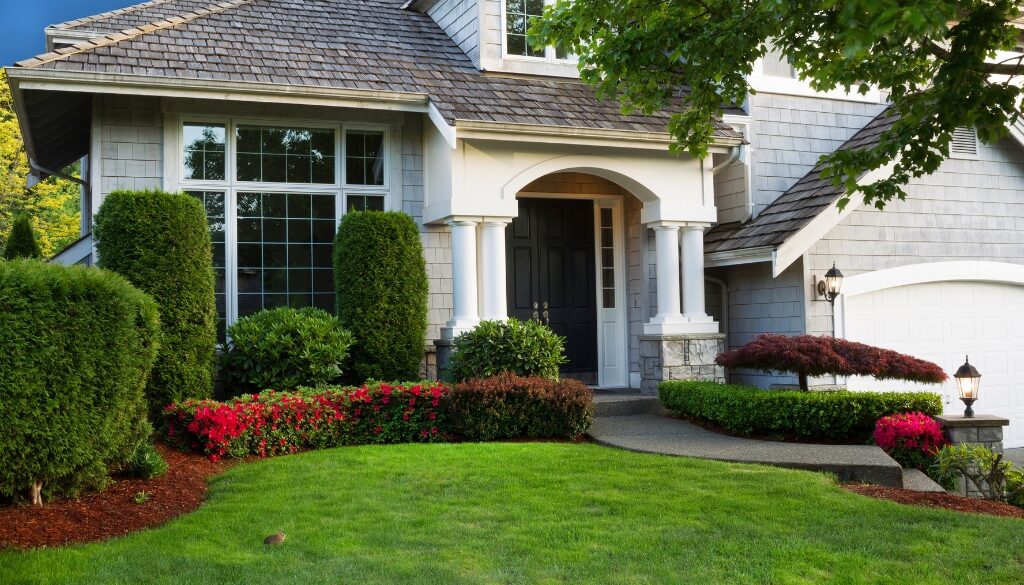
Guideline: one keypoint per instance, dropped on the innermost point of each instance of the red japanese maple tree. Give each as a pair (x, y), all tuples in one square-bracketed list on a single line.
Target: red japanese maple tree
[(810, 355)]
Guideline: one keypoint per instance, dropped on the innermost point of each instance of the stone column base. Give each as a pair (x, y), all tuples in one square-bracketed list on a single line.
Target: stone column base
[(679, 357), (981, 429)]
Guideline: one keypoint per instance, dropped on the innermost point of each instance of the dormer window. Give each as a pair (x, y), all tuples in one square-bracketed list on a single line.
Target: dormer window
[(519, 15)]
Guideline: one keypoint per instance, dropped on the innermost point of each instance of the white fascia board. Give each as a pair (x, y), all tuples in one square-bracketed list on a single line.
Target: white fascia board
[(109, 83), (736, 257), (60, 36), (537, 133), (1017, 132), (447, 131), (796, 245), (22, 115), (768, 84)]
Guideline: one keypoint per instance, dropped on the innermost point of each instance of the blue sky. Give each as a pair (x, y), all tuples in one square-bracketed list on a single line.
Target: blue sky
[(21, 28)]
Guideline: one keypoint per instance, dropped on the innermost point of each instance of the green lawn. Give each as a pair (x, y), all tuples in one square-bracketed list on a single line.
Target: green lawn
[(537, 513)]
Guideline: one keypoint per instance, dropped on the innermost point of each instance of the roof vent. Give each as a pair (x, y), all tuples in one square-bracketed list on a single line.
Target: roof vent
[(964, 143)]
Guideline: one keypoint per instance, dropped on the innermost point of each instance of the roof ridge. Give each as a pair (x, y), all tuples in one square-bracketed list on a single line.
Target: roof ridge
[(130, 33), (87, 19)]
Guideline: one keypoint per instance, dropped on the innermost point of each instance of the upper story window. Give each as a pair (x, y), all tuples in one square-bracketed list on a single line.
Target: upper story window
[(519, 16), (778, 65)]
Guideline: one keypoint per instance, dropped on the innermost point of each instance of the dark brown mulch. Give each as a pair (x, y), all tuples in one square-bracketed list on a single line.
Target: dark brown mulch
[(112, 512), (937, 500)]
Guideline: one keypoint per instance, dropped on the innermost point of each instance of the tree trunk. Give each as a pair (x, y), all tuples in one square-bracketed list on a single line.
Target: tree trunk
[(803, 380), (37, 493)]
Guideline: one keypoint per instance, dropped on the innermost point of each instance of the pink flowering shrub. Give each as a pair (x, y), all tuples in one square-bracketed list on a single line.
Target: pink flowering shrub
[(274, 423), (911, 438)]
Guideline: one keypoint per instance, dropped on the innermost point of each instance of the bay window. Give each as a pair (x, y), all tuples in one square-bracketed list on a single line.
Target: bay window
[(274, 193)]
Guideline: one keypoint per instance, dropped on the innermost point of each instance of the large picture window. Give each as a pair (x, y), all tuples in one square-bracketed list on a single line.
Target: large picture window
[(273, 193)]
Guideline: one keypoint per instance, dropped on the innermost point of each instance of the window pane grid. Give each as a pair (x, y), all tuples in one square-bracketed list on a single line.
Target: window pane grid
[(607, 259), (271, 154), (360, 202), (203, 151), (519, 16), (287, 259), (213, 202), (364, 157)]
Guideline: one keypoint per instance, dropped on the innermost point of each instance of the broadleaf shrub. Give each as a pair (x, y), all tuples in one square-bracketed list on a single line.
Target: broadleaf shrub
[(810, 355), (76, 348), (911, 438), (841, 416), (523, 348), (985, 471), (275, 423), (22, 242), (285, 348), (380, 279), (508, 406), (160, 242)]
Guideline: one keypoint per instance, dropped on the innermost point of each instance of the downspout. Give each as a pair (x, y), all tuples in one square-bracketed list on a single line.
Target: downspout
[(734, 155)]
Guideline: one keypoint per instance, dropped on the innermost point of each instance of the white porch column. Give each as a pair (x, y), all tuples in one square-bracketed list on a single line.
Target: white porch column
[(693, 275), (492, 263), (666, 243), (464, 287)]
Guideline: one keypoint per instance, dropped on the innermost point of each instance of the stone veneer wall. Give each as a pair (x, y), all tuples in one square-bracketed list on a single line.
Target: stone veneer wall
[(679, 357)]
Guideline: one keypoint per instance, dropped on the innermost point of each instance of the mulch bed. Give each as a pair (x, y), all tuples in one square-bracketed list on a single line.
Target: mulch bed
[(937, 500), (112, 512)]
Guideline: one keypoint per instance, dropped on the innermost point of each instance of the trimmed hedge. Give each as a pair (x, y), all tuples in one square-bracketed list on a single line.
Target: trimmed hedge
[(284, 348), (22, 242), (161, 243), (523, 348), (381, 283), (508, 406), (827, 416), (275, 423), (76, 349)]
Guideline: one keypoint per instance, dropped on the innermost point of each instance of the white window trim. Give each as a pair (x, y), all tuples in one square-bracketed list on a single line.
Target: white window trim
[(549, 51), (174, 181), (795, 86)]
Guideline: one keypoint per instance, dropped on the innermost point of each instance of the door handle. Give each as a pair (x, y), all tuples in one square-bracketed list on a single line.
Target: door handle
[(536, 315), (547, 316)]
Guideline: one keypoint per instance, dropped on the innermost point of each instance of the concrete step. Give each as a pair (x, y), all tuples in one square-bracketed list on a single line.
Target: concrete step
[(650, 433), (916, 480), (625, 404)]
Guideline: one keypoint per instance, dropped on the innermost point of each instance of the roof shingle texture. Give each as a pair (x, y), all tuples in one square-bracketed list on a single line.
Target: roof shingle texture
[(351, 44), (800, 204)]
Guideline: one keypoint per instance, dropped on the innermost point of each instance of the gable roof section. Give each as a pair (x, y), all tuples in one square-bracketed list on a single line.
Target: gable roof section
[(354, 44), (798, 206)]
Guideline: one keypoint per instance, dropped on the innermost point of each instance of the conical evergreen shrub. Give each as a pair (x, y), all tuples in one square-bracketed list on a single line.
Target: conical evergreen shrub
[(22, 243)]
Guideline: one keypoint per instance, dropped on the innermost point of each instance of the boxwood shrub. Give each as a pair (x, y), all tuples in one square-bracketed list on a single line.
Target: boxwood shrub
[(76, 348), (160, 242), (508, 406), (381, 282), (524, 348), (841, 416), (284, 348)]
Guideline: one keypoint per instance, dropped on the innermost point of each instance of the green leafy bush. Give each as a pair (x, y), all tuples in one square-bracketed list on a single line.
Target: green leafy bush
[(22, 243), (274, 423), (146, 462), (984, 471), (285, 348), (826, 416), (508, 406), (524, 348), (161, 243), (381, 282), (76, 348)]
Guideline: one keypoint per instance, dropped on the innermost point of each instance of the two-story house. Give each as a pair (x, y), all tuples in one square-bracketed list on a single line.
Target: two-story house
[(536, 199)]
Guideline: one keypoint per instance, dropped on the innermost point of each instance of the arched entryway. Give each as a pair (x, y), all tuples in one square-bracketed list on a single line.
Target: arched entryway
[(566, 266)]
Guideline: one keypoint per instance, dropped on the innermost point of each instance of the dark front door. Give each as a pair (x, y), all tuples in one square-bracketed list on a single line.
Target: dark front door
[(550, 251)]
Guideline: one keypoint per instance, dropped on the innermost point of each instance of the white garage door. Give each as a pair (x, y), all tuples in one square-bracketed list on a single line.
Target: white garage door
[(941, 322)]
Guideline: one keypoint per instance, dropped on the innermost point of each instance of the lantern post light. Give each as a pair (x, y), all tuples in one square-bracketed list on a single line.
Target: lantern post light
[(829, 286), (968, 379)]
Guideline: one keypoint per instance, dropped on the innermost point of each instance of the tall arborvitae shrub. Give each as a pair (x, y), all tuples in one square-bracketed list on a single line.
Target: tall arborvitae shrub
[(161, 243), (22, 243), (76, 349), (381, 282)]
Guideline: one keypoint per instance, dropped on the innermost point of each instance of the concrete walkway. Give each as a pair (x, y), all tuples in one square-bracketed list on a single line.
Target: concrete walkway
[(654, 433)]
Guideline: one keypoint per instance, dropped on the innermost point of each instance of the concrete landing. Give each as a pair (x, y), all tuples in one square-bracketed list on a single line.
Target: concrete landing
[(652, 433), (625, 402)]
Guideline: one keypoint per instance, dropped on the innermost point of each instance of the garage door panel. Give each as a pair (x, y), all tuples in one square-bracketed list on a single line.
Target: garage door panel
[(941, 322)]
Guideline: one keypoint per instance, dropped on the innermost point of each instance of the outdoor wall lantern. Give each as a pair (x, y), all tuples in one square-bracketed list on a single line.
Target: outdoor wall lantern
[(829, 286), (967, 380)]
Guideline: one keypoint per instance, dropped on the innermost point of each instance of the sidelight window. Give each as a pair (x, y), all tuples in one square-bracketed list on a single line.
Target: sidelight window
[(607, 259)]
